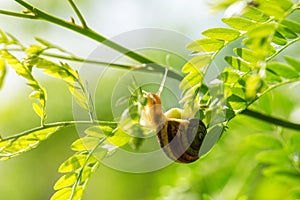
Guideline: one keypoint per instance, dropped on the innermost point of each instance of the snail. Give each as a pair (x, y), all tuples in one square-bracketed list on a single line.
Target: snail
[(180, 139)]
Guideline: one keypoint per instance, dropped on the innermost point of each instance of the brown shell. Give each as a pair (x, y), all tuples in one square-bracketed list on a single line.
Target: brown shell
[(181, 139)]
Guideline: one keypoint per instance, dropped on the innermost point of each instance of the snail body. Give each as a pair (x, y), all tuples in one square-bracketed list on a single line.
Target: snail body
[(180, 139)]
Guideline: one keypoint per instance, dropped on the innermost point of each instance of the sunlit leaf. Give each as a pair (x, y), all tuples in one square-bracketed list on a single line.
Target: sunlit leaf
[(225, 34), (38, 110), (50, 45), (34, 50), (79, 97), (291, 24), (253, 85), (262, 31), (62, 194), (255, 14), (191, 80), (99, 131), (65, 181), (15, 146), (238, 63), (85, 143), (263, 141), (120, 138), (286, 32), (246, 54), (239, 23), (236, 103), (230, 76), (2, 72), (282, 70), (295, 63), (272, 9), (206, 45), (197, 64), (73, 163), (273, 157), (279, 39), (16, 64)]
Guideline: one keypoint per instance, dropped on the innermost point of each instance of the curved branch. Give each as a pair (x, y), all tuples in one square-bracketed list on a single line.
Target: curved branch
[(272, 120), (78, 13), (41, 15), (61, 125)]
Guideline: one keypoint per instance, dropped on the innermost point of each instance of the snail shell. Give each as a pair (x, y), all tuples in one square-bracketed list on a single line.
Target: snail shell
[(180, 139)]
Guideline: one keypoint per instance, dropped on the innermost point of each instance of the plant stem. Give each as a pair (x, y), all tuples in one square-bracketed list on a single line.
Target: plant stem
[(283, 48), (61, 125), (14, 14), (78, 13), (39, 14), (272, 120)]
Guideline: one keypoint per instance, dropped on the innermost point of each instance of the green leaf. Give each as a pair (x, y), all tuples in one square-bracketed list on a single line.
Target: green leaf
[(34, 50), (38, 109), (17, 65), (120, 138), (230, 76), (62, 194), (100, 153), (263, 141), (272, 9), (50, 45), (197, 64), (99, 131), (272, 77), (286, 32), (279, 39), (273, 157), (79, 97), (206, 45), (3, 37), (246, 54), (292, 25), (253, 85), (283, 172), (73, 163), (295, 63), (2, 72), (236, 103), (15, 146), (239, 23), (262, 31), (237, 63), (225, 34), (255, 14), (65, 181), (44, 133), (85, 143), (66, 193), (282, 70), (191, 80)]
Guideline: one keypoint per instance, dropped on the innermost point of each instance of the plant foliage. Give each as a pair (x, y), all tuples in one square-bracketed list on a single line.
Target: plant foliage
[(262, 30)]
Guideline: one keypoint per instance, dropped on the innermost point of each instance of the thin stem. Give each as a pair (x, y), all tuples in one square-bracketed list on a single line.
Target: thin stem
[(78, 13), (14, 14), (61, 125), (283, 48), (272, 120), (39, 14)]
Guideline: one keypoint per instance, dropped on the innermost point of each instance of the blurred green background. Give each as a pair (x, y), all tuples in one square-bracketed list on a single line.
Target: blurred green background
[(229, 171)]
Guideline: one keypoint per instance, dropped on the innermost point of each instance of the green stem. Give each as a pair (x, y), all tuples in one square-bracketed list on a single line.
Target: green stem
[(272, 120), (78, 13), (39, 14), (62, 125), (14, 14), (283, 48)]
